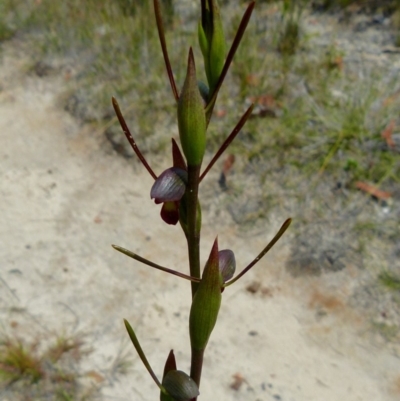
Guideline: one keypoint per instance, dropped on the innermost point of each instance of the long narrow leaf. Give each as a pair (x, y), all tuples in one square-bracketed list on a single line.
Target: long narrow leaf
[(152, 264), (274, 240), (129, 136), (239, 34), (141, 354), (228, 140), (161, 35)]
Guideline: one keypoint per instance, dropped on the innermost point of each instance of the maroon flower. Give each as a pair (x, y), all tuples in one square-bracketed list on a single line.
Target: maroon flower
[(168, 189), (227, 264)]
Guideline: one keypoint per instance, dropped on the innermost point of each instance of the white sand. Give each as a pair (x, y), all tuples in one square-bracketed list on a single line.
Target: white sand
[(64, 201)]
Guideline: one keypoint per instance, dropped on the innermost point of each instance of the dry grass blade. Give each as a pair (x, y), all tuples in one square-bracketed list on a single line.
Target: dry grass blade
[(373, 191), (387, 134)]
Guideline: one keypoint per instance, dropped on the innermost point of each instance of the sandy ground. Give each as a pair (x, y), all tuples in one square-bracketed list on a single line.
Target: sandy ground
[(66, 197)]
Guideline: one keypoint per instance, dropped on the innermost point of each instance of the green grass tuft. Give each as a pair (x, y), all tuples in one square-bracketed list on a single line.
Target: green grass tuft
[(19, 361), (36, 370), (389, 280)]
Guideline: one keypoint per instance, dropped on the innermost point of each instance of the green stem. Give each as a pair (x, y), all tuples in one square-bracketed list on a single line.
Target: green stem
[(193, 240), (193, 228), (196, 366)]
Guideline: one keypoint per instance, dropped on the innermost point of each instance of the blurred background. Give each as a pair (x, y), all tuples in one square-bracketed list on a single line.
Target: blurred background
[(323, 144)]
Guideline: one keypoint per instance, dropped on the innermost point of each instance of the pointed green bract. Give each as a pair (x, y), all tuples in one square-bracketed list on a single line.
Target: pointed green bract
[(192, 118), (203, 41), (212, 42), (206, 302), (218, 47)]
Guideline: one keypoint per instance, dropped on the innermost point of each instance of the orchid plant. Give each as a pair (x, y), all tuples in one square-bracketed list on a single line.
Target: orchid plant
[(177, 190)]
